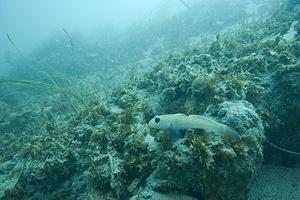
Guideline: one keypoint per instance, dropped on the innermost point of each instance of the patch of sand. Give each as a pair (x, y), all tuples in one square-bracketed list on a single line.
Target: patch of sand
[(276, 183)]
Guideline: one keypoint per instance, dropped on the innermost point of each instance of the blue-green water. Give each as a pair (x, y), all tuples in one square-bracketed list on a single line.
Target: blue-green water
[(78, 89)]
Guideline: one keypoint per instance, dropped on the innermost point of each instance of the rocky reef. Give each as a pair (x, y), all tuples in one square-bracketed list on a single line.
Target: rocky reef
[(247, 79)]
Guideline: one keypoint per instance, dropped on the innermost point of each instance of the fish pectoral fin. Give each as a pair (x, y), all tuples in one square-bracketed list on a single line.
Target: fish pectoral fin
[(175, 133)]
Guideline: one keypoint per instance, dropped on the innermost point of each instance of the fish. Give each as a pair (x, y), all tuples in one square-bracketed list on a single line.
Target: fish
[(176, 123)]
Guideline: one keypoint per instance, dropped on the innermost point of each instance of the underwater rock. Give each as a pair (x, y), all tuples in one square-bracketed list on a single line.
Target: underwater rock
[(240, 115), (44, 177), (284, 115), (16, 120), (106, 150), (165, 196), (209, 167), (9, 176)]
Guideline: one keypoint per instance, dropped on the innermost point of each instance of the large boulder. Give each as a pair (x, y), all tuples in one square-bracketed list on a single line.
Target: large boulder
[(212, 167)]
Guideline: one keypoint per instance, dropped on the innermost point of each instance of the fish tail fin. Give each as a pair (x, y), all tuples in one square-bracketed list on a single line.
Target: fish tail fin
[(230, 131)]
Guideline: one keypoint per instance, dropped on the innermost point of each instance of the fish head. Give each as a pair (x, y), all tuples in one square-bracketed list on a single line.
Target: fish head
[(159, 122)]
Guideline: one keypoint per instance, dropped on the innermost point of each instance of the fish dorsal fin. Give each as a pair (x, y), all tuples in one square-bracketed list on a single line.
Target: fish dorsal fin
[(200, 116), (203, 118), (197, 116), (181, 114)]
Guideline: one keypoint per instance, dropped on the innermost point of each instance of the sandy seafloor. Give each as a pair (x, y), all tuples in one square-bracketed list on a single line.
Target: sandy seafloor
[(276, 183)]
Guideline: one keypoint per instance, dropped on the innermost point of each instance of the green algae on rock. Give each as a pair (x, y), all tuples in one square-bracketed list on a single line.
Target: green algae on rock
[(107, 151)]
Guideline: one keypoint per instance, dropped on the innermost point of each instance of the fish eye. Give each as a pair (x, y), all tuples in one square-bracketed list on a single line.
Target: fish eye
[(157, 120)]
